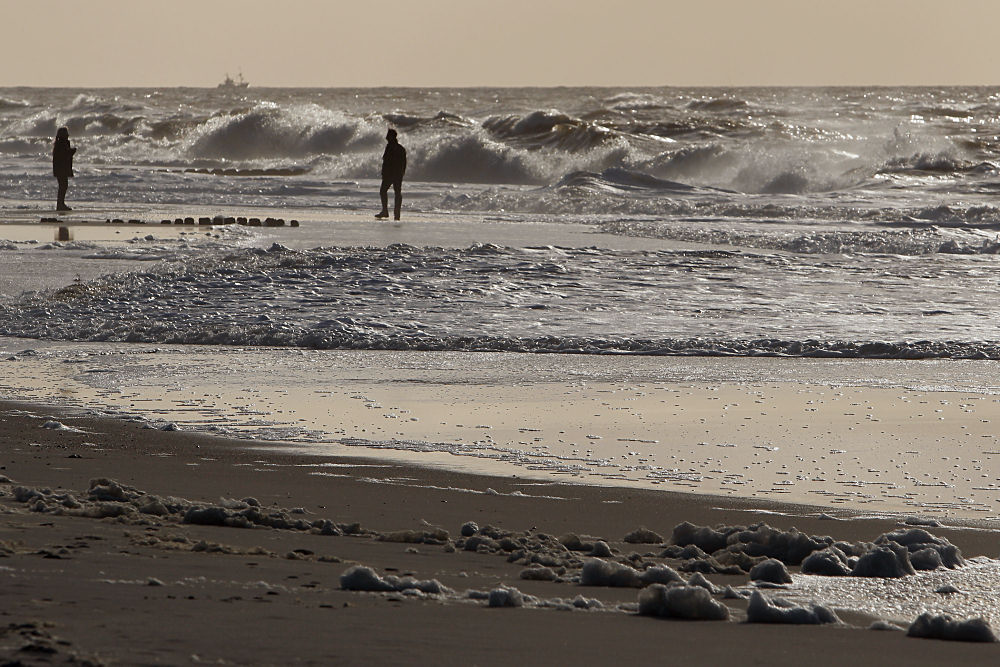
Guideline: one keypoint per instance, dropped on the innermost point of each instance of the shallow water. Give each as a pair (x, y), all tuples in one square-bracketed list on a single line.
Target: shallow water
[(531, 299), (902, 600), (877, 437)]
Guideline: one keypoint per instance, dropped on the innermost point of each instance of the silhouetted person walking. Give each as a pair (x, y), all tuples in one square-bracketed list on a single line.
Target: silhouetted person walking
[(393, 168), (62, 165)]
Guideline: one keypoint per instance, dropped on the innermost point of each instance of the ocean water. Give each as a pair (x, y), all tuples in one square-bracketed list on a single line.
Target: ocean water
[(799, 222), (596, 229)]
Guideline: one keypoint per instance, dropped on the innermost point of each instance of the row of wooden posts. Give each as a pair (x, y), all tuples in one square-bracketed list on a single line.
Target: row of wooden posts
[(217, 220)]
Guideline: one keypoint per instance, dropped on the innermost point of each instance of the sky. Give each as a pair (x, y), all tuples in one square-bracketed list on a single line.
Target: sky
[(424, 43)]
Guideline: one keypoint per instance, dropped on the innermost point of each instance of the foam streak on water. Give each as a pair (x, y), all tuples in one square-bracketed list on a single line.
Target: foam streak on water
[(542, 299)]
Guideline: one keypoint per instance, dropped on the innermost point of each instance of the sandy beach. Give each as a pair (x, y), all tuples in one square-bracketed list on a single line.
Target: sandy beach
[(148, 589)]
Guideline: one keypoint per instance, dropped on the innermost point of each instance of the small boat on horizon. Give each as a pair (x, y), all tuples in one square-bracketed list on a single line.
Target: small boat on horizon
[(230, 83)]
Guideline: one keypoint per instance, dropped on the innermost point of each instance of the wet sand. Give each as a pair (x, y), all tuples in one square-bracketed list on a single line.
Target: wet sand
[(798, 431), (120, 591)]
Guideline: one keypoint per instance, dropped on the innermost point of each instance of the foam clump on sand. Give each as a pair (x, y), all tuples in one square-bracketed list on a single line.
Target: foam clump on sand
[(593, 546), (890, 561), (789, 546), (660, 574), (885, 626), (54, 425), (762, 610), (686, 602), (772, 571), (829, 562), (691, 551), (505, 596), (216, 515), (921, 521), (927, 552), (580, 602), (739, 549), (705, 538), (948, 589), (929, 626), (574, 542), (730, 593), (643, 535), (234, 504), (597, 572), (926, 559), (539, 574), (508, 596), (107, 498), (601, 550), (363, 578), (109, 490), (433, 536), (528, 548), (698, 579)]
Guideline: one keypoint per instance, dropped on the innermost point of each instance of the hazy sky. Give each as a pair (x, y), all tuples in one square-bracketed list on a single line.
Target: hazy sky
[(84, 43)]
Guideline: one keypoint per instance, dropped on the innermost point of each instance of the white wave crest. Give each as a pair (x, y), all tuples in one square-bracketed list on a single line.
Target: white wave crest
[(272, 131), (475, 158)]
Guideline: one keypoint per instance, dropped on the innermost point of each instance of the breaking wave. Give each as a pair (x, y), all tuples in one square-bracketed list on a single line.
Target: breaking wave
[(272, 131), (549, 129), (624, 192), (843, 156), (476, 159), (621, 180), (7, 103), (722, 105), (942, 163), (742, 141)]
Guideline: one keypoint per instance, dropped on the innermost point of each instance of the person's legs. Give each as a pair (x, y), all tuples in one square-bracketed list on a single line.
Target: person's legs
[(63, 187), (383, 193), (397, 197)]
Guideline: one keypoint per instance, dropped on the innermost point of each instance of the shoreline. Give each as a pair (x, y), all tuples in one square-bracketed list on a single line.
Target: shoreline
[(790, 431), (184, 450), (60, 566)]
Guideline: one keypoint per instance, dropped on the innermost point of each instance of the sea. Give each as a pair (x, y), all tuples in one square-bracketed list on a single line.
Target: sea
[(842, 222), (634, 240)]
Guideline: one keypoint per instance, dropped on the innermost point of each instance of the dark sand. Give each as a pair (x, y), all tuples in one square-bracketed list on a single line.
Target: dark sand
[(78, 589)]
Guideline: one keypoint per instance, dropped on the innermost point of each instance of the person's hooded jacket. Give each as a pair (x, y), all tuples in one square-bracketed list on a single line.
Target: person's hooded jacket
[(62, 155)]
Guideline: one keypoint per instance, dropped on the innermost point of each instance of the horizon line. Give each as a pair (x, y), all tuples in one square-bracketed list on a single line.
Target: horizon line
[(521, 86)]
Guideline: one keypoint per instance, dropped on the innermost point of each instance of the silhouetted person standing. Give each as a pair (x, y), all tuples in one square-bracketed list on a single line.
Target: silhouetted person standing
[(62, 165), (393, 168)]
